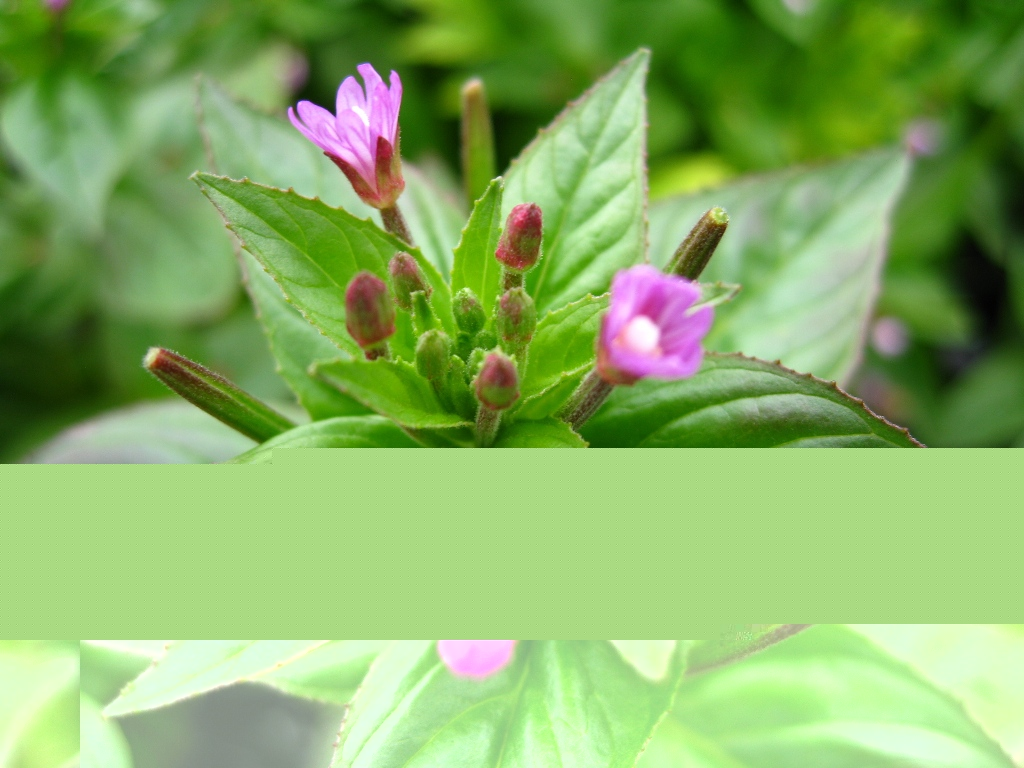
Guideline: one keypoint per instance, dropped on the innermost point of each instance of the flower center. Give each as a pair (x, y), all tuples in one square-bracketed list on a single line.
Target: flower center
[(640, 336)]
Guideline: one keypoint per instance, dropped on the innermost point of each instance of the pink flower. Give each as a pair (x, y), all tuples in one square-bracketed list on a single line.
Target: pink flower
[(649, 329), (362, 139), (475, 658)]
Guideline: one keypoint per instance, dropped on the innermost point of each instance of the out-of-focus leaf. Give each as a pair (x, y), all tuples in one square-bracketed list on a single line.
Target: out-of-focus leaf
[(34, 678), (66, 135), (675, 746), (586, 172), (808, 246), (343, 432), (191, 667), (330, 673), (172, 432), (928, 305), (165, 258), (829, 697), (982, 665), (985, 406), (103, 743), (557, 704), (736, 401), (651, 658), (737, 644), (147, 649)]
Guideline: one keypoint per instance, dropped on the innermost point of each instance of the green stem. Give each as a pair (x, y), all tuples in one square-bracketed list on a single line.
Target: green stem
[(394, 223), (487, 423), (584, 402), (510, 279)]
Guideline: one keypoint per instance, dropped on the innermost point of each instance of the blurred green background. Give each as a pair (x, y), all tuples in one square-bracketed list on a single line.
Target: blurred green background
[(107, 249)]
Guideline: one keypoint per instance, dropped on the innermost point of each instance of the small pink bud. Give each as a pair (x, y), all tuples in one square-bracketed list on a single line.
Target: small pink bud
[(369, 313), (519, 247), (407, 278), (475, 658), (497, 384)]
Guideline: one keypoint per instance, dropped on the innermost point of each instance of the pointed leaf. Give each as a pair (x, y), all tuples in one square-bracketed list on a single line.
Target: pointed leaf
[(675, 746), (737, 644), (246, 143), (169, 432), (191, 667), (343, 432), (64, 133), (331, 673), (548, 433), (738, 401), (33, 678), (559, 703), (475, 266), (392, 389), (828, 697), (563, 349), (103, 743), (313, 251), (586, 172), (808, 246)]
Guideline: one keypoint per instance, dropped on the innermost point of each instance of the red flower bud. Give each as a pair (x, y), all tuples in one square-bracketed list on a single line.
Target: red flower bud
[(369, 313), (407, 278), (497, 384), (519, 247)]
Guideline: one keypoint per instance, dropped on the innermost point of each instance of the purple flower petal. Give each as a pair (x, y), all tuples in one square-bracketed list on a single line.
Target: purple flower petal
[(364, 114), (475, 658), (649, 329)]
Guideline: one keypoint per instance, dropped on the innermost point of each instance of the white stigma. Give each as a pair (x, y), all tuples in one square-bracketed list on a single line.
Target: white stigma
[(362, 115), (641, 336)]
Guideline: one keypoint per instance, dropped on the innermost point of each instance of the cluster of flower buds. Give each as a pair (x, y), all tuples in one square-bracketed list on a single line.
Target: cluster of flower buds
[(653, 328)]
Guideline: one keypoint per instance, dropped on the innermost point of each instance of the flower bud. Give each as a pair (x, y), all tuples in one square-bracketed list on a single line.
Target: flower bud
[(369, 313), (469, 313), (519, 247), (433, 355), (694, 253), (515, 318), (475, 658), (497, 384), (407, 278)]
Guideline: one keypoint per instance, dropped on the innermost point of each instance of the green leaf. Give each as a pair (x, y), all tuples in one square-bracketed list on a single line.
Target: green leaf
[(342, 432), (148, 649), (737, 644), (392, 389), (808, 246), (64, 133), (331, 673), (246, 143), (296, 345), (675, 746), (192, 667), (164, 255), (171, 432), (586, 172), (475, 266), (738, 401), (828, 697), (34, 676), (651, 658), (103, 743), (972, 662), (549, 433), (563, 348), (313, 251), (559, 703)]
